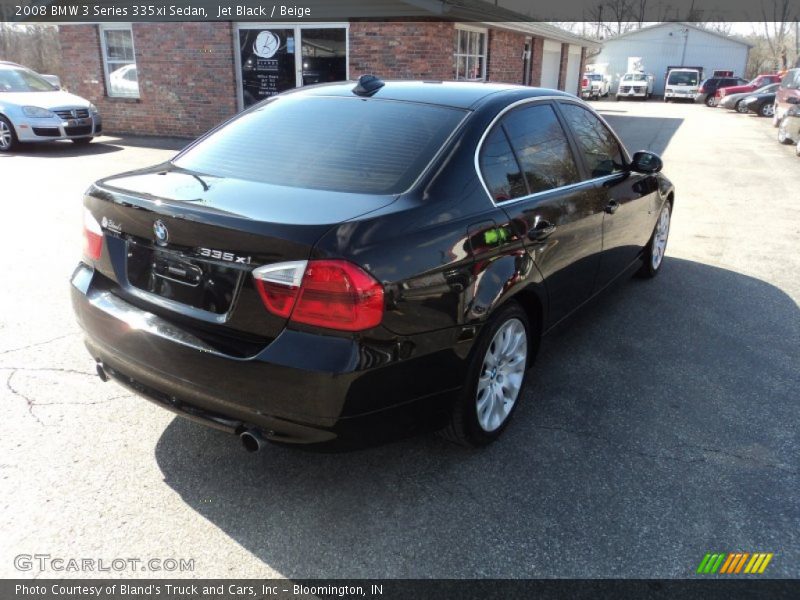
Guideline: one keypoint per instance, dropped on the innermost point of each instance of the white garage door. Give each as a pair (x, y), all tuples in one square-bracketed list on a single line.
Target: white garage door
[(573, 70), (551, 62)]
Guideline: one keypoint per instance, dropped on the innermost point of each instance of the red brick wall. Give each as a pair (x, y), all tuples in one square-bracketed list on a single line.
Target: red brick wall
[(562, 69), (536, 61), (186, 74), (582, 70), (505, 56), (402, 50)]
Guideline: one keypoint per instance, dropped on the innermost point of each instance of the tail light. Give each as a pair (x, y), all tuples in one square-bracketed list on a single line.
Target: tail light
[(702, 89), (92, 236), (334, 294), (585, 82)]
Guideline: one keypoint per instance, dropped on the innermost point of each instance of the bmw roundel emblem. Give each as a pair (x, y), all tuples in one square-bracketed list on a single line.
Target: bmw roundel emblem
[(162, 235)]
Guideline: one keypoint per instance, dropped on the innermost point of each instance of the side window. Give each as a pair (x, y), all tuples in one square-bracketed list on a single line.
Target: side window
[(541, 147), (500, 169), (597, 144)]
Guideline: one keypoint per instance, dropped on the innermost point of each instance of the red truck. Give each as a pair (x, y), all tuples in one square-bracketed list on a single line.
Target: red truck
[(755, 84)]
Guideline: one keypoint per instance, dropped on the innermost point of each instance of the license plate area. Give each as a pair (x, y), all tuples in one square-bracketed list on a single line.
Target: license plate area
[(175, 276)]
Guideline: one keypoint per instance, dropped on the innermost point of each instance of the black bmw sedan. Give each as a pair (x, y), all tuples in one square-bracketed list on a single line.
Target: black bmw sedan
[(345, 260)]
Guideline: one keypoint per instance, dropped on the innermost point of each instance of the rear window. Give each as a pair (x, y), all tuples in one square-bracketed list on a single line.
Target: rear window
[(791, 80), (356, 145)]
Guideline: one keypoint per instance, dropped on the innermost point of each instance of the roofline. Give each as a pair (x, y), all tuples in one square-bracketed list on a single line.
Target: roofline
[(543, 30), (730, 38)]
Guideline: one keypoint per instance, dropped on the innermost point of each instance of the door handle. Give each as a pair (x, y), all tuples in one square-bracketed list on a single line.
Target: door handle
[(540, 230), (611, 207)]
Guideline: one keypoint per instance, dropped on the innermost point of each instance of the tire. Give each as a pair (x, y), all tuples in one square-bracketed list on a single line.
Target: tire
[(710, 101), (654, 251), (486, 404), (82, 141), (766, 110), (741, 107), (782, 137), (8, 137)]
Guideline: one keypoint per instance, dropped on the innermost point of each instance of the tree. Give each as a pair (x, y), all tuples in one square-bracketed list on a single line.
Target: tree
[(777, 15)]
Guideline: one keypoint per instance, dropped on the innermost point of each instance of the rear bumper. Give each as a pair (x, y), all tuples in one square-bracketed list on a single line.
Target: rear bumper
[(301, 388)]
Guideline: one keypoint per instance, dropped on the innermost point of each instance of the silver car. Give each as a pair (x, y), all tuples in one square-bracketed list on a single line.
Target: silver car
[(34, 110)]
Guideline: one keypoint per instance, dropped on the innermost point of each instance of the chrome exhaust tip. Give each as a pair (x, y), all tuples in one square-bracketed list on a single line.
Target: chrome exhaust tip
[(252, 440)]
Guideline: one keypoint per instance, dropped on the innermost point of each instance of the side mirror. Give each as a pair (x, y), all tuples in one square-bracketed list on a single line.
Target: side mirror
[(646, 162), (793, 100), (52, 80)]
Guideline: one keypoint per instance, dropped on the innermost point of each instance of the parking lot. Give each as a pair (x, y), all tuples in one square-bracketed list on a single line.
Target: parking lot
[(660, 423)]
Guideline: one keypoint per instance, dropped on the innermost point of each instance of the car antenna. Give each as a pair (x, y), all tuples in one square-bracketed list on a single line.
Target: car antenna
[(368, 85)]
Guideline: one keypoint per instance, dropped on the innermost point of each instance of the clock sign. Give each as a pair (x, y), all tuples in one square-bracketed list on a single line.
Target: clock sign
[(266, 44)]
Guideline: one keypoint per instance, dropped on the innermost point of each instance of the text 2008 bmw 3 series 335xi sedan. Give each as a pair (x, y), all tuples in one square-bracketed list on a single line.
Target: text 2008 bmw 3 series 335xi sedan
[(345, 260)]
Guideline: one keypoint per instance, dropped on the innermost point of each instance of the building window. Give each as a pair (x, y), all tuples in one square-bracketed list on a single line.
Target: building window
[(119, 61), (469, 57)]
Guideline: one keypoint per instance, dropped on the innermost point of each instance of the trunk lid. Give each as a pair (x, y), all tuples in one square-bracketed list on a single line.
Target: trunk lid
[(184, 244)]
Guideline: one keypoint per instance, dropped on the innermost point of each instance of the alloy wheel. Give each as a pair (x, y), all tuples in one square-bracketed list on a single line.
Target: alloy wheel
[(768, 110), (741, 107), (660, 237), (5, 136), (501, 375)]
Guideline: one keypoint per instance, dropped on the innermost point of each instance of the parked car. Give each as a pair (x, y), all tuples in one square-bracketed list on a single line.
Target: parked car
[(388, 254), (750, 87), (788, 90), (635, 85), (734, 101), (707, 90), (34, 110), (680, 83), (596, 86), (789, 128), (761, 104)]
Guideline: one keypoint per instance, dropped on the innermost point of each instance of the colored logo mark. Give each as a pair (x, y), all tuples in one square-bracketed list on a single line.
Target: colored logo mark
[(734, 562)]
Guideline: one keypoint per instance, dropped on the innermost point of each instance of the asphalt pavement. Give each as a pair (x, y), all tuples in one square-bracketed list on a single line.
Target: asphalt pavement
[(659, 424)]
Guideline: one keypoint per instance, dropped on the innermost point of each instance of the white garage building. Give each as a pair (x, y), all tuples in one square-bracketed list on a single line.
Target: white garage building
[(667, 44)]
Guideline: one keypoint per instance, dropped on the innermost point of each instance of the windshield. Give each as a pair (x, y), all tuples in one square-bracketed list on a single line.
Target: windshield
[(356, 145), (682, 78), (23, 80), (595, 77), (635, 77)]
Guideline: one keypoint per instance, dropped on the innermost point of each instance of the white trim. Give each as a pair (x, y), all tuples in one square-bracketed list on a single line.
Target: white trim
[(298, 64), (101, 29)]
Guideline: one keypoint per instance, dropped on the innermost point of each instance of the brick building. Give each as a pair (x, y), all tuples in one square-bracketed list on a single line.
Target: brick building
[(184, 78)]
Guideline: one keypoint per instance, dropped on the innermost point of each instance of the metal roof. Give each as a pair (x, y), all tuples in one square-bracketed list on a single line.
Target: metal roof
[(730, 38)]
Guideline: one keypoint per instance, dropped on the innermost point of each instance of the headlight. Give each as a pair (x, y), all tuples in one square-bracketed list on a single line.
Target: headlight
[(37, 113), (93, 109)]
